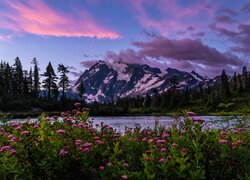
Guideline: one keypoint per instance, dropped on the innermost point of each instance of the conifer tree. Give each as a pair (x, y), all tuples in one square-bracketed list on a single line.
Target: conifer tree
[(49, 83), (17, 77), (63, 80), (36, 79), (244, 78)]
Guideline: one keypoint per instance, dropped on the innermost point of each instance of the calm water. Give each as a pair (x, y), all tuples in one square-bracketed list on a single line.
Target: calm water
[(120, 122)]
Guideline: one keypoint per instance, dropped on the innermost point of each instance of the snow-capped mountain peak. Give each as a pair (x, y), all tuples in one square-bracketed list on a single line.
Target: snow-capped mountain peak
[(105, 81)]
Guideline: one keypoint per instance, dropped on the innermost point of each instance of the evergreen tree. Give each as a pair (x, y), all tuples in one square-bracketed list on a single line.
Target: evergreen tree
[(234, 82), (30, 81), (17, 77), (244, 78), (63, 80), (49, 83), (239, 83), (224, 85), (36, 79)]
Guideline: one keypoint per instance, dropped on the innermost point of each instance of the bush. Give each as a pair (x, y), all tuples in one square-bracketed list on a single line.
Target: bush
[(73, 148)]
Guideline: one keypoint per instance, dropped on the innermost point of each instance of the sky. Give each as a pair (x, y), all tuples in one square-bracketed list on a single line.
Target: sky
[(201, 35)]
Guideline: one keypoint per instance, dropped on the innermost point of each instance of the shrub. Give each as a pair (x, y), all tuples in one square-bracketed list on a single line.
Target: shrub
[(73, 148)]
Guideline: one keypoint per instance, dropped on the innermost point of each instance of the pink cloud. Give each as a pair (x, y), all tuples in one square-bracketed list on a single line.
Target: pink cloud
[(36, 17)]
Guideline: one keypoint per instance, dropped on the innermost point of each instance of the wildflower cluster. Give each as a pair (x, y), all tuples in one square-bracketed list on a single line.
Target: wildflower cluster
[(71, 147)]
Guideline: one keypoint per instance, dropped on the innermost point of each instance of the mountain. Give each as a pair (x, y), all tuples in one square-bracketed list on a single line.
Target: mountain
[(104, 81)]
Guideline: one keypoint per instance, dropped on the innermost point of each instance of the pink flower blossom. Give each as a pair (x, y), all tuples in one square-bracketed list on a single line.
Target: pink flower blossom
[(99, 142), (234, 131), (35, 126), (78, 142), (222, 141), (161, 160), (78, 113), (163, 149), (197, 120), (223, 133), (101, 168), (109, 164), (77, 104), (174, 144), (25, 133), (184, 150), (125, 165), (189, 113), (86, 145), (124, 177), (63, 152), (60, 131), (85, 150), (18, 127), (12, 151), (148, 159), (150, 140), (5, 148)]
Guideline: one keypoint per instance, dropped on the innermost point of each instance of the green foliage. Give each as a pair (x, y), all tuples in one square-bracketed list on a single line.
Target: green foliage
[(71, 147)]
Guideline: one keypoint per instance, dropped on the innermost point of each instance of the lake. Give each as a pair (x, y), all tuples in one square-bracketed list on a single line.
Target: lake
[(120, 122)]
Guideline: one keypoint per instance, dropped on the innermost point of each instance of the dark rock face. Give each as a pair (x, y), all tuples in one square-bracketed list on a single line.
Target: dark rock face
[(104, 81)]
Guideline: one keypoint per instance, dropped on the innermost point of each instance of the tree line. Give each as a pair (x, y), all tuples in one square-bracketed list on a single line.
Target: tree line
[(22, 89)]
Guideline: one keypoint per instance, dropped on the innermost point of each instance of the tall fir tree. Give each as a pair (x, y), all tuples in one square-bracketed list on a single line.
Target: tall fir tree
[(17, 77), (244, 78), (36, 78), (63, 79), (49, 83)]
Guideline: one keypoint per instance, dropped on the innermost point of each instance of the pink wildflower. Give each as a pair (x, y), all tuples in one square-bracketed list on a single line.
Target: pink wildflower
[(35, 126), (223, 133), (109, 164), (124, 177), (174, 144), (101, 168), (60, 131), (189, 113), (184, 150), (222, 141), (25, 132), (63, 152), (85, 150), (163, 149), (148, 159), (5, 148), (78, 113), (12, 151), (161, 160), (86, 145), (77, 104), (78, 142), (125, 165)]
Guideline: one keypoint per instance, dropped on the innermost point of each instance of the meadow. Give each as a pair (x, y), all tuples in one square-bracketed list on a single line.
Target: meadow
[(74, 148)]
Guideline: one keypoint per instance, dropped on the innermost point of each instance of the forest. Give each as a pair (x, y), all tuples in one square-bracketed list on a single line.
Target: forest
[(32, 91)]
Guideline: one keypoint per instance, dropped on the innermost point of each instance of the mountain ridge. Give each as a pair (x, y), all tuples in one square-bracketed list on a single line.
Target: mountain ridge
[(105, 81)]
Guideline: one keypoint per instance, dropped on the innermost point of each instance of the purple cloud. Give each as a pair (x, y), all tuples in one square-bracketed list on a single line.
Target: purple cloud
[(185, 49)]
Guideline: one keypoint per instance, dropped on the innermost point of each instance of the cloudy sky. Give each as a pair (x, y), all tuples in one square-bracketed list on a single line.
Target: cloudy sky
[(202, 35)]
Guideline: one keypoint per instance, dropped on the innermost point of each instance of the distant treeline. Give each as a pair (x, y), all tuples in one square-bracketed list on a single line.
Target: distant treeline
[(20, 90), (227, 95)]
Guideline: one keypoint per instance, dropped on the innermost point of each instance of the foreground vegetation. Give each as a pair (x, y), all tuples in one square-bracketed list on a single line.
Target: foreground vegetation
[(74, 148)]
